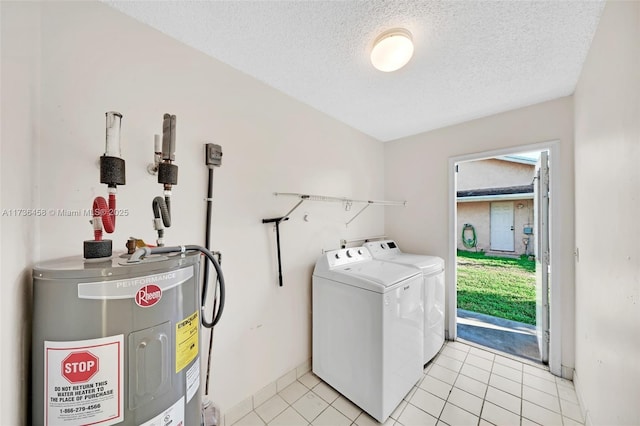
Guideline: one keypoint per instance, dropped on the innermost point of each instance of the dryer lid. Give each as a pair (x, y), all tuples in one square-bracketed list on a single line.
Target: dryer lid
[(389, 251), (427, 264)]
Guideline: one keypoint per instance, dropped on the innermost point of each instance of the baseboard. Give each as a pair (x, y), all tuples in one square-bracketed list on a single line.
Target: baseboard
[(581, 401), (567, 372)]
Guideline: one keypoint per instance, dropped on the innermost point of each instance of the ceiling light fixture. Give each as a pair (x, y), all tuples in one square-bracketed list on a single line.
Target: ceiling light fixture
[(392, 50)]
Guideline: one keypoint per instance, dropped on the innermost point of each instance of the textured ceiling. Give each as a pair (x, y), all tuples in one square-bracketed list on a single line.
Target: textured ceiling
[(472, 58)]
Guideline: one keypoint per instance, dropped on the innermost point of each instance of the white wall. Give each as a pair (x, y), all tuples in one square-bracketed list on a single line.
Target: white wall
[(18, 164), (416, 170), (95, 59), (607, 154)]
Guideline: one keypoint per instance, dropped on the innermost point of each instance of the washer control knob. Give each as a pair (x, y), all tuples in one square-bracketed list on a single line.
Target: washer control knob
[(337, 255), (349, 253), (360, 251)]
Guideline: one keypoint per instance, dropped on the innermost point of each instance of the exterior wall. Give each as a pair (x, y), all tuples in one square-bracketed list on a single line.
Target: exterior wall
[(493, 173), (607, 123), (478, 214)]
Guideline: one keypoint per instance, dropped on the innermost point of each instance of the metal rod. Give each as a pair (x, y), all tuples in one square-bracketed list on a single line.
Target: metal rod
[(205, 274), (358, 214), (311, 197), (339, 199), (279, 259), (291, 211), (277, 221)]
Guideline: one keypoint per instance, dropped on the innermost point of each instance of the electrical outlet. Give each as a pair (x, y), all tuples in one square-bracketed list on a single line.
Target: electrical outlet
[(213, 155)]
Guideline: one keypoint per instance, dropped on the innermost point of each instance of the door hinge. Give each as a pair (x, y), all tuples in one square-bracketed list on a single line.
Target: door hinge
[(545, 177)]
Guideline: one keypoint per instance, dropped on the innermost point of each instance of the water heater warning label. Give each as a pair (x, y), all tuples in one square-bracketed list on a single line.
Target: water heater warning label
[(187, 340), (84, 382), (173, 416)]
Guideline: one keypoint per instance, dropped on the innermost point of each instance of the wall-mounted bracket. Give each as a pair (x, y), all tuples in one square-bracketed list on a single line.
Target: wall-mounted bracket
[(277, 221), (358, 214), (152, 168)]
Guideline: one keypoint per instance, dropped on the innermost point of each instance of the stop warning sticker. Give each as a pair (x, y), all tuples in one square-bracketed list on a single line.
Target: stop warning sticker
[(84, 382)]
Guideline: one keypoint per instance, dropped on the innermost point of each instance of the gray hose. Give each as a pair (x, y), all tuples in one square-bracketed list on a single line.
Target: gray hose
[(145, 251), (139, 254), (161, 208)]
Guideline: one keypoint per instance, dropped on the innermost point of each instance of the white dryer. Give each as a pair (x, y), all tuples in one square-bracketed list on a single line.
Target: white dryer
[(367, 328), (432, 268)]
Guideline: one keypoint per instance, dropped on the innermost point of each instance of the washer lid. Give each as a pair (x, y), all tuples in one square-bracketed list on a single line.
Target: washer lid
[(374, 275)]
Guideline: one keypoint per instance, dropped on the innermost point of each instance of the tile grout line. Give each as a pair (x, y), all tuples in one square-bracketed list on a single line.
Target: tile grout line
[(459, 373), (522, 396), (560, 403), (425, 376), (453, 385), (484, 399), (429, 364), (322, 399)]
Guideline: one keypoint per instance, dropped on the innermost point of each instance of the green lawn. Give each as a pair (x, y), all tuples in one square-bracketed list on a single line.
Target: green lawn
[(497, 286)]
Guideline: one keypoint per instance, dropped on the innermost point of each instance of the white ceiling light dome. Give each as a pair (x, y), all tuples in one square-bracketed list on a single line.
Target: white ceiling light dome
[(392, 50)]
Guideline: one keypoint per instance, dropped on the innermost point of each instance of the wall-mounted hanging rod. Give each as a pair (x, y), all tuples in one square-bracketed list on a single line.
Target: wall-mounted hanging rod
[(339, 199), (348, 202), (306, 197)]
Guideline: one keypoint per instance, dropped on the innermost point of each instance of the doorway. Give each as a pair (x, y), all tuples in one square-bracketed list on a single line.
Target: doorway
[(508, 214)]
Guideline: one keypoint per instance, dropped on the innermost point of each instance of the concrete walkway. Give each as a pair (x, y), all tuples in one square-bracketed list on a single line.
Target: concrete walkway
[(512, 337)]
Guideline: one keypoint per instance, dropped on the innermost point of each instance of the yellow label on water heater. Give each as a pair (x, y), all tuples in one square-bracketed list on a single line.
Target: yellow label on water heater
[(187, 340)]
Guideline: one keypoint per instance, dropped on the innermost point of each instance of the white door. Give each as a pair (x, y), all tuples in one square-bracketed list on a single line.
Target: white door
[(502, 234), (541, 235)]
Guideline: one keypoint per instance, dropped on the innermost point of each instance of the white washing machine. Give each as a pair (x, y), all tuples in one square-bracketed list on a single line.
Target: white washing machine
[(367, 328), (432, 268)]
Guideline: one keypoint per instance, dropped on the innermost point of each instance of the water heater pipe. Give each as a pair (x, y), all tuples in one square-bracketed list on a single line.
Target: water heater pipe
[(167, 175), (142, 252), (112, 173), (104, 214)]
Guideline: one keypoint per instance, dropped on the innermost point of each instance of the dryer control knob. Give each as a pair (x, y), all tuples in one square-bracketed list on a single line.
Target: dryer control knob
[(349, 253), (337, 255)]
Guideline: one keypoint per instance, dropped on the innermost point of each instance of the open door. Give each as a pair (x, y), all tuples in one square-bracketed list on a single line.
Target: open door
[(541, 235)]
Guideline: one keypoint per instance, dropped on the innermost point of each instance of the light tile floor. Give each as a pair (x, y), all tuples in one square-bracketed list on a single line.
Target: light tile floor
[(463, 385)]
